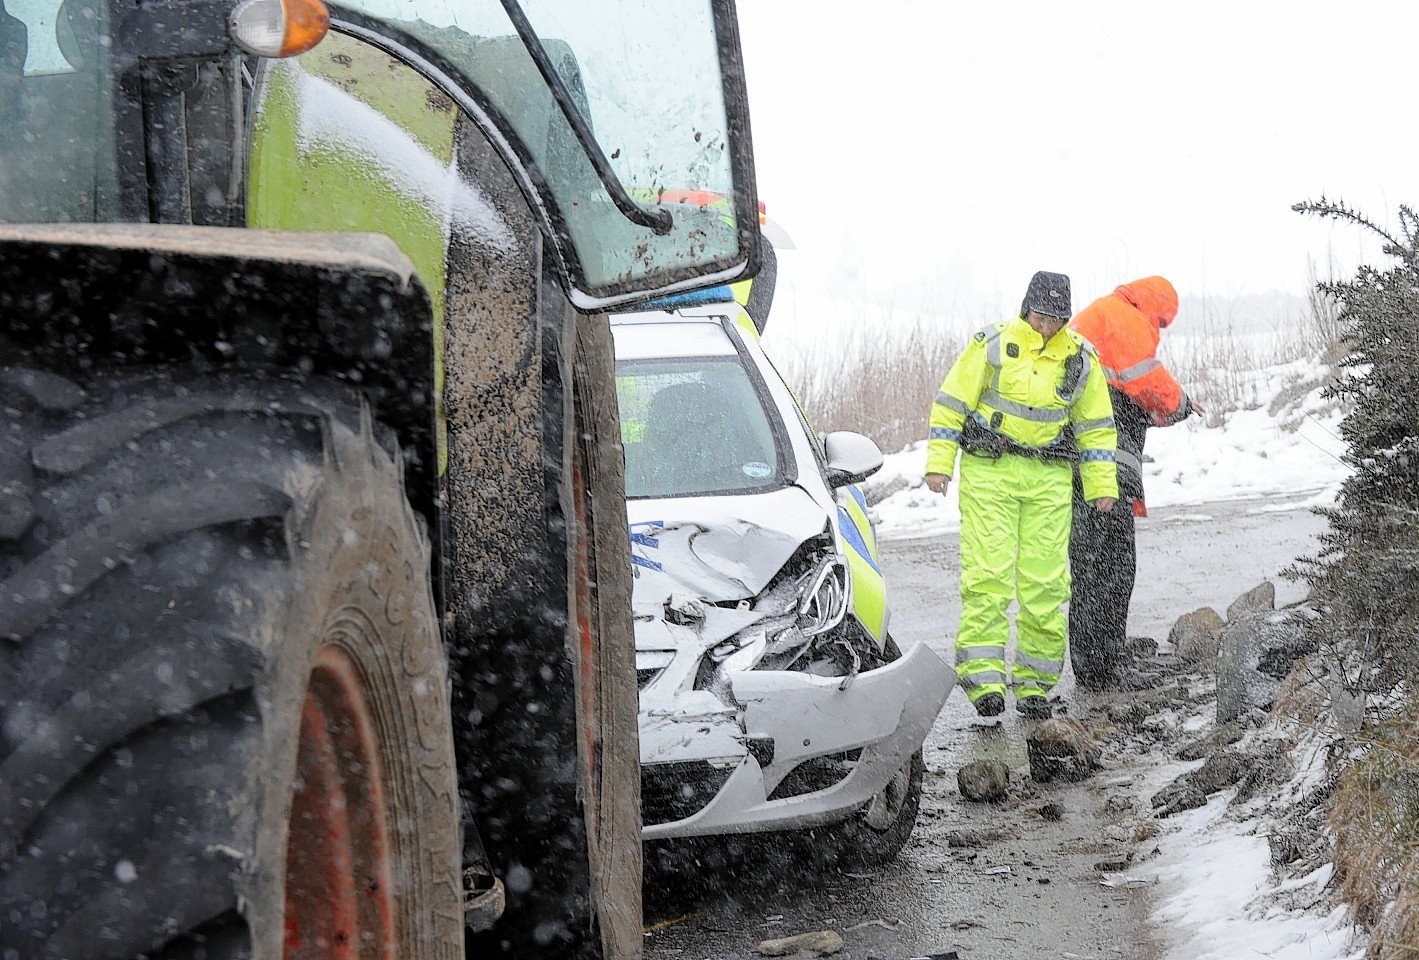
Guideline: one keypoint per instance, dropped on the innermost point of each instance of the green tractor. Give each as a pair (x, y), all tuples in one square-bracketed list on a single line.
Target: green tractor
[(315, 630)]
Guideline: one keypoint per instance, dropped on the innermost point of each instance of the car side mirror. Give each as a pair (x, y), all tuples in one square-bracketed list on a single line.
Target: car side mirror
[(852, 458)]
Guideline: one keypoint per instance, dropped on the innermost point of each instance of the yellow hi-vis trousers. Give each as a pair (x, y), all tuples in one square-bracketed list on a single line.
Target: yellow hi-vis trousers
[(1015, 514)]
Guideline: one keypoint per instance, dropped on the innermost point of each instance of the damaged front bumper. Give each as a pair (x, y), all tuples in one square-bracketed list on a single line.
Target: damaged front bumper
[(800, 751)]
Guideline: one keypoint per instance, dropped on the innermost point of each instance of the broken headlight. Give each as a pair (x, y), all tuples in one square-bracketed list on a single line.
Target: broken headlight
[(823, 600), (813, 610), (803, 611)]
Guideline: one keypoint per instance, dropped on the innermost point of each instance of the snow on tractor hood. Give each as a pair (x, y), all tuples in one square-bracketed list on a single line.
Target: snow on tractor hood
[(718, 548)]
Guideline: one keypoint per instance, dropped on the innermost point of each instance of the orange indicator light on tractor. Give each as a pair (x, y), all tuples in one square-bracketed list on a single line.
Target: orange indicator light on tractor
[(278, 28)]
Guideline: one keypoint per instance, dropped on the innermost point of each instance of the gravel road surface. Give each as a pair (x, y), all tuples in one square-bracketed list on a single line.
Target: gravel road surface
[(1055, 871)]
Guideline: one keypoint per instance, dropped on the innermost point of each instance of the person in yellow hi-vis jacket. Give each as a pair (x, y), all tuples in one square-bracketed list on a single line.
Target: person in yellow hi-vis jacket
[(1024, 402)]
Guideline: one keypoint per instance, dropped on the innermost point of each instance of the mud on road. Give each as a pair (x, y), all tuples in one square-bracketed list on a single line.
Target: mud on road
[(1057, 869)]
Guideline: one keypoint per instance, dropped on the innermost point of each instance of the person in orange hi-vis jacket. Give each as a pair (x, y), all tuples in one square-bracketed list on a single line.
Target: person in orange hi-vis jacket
[(1123, 327)]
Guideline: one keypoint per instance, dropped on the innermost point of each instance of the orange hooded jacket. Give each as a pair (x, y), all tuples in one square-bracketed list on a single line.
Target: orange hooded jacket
[(1123, 327)]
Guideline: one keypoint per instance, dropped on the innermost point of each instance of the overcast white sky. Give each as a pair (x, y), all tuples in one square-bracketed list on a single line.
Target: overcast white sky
[(932, 155)]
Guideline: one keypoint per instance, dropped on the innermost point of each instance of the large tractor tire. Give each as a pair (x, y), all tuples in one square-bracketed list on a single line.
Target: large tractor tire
[(608, 699), (224, 717)]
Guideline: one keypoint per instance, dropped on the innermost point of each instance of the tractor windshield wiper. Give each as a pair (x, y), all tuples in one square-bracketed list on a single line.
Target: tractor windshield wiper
[(658, 221)]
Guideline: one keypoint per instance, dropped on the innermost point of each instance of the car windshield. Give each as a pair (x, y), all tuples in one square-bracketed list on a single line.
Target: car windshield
[(694, 427)]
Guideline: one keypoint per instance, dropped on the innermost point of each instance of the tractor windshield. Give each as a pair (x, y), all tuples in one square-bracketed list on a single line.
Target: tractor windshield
[(625, 120), (649, 79)]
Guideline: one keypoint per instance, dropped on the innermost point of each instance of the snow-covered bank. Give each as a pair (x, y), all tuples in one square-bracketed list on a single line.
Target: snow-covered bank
[(1219, 893), (1219, 900), (1255, 454)]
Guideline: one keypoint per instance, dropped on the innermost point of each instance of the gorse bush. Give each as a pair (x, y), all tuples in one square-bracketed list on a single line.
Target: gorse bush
[(1367, 571), (1366, 580)]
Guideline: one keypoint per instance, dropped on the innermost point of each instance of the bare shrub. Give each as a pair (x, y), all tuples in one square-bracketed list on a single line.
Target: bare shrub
[(1304, 702), (1325, 334), (1224, 368), (880, 379)]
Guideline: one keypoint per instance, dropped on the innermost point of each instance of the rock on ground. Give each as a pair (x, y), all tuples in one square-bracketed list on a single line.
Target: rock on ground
[(819, 943), (983, 780), (1258, 650), (1061, 749), (1259, 599), (1192, 789), (1196, 636)]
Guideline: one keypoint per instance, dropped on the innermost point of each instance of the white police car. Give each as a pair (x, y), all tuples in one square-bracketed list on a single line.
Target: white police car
[(772, 696)]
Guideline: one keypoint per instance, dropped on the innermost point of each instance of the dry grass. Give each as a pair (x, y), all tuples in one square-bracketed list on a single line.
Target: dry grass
[(880, 382), (882, 379), (1304, 702), (1376, 824), (1220, 366)]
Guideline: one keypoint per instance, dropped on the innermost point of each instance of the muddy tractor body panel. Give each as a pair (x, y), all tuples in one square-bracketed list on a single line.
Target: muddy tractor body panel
[(312, 533)]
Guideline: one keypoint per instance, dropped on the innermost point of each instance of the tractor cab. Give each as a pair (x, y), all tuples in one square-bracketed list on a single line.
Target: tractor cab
[(612, 118)]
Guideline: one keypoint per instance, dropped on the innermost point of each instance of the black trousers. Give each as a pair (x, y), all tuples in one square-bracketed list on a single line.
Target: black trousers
[(1103, 564)]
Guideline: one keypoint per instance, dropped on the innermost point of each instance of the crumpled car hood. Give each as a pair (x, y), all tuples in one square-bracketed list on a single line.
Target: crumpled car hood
[(719, 548)]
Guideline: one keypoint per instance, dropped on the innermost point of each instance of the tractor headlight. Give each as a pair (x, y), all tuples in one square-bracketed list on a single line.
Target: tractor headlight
[(278, 28)]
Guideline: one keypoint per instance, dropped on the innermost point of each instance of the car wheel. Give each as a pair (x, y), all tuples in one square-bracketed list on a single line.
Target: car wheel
[(885, 809), (878, 831)]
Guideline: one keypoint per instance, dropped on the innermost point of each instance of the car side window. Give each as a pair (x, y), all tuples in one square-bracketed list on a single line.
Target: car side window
[(814, 440)]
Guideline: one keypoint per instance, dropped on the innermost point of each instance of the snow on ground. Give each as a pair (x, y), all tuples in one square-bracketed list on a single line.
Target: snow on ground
[(1249, 455), (1217, 897), (1217, 892)]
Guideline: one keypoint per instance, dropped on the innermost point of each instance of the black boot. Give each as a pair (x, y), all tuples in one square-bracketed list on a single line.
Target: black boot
[(990, 705), (1036, 708)]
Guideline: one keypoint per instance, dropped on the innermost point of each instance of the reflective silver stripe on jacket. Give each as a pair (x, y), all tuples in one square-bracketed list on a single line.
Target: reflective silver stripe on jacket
[(980, 679), (967, 654), (1051, 667), (1129, 374), (992, 348), (945, 399), (1126, 459), (1094, 424), (1024, 412)]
